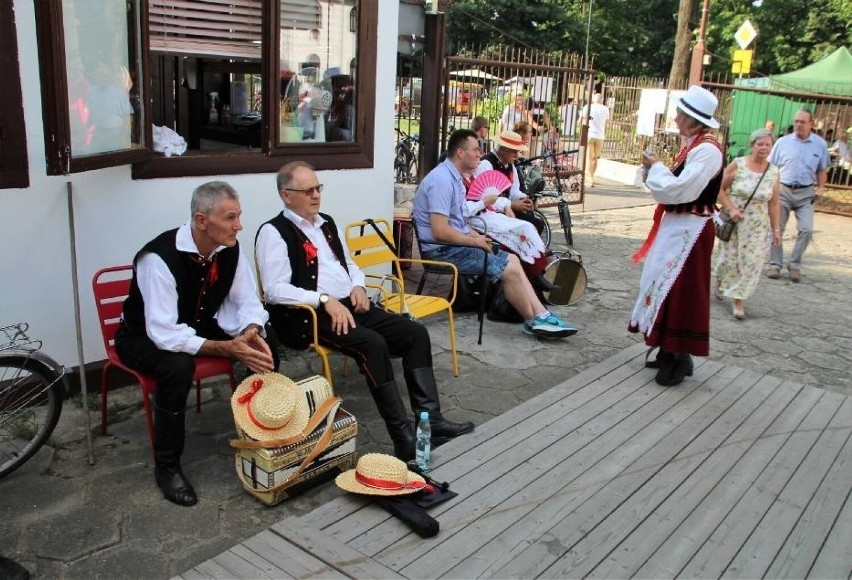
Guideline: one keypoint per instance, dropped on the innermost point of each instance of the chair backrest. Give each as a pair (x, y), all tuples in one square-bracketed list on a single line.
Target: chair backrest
[(368, 249), (110, 287)]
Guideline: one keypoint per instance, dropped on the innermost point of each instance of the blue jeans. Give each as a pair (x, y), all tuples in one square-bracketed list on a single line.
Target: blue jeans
[(469, 260)]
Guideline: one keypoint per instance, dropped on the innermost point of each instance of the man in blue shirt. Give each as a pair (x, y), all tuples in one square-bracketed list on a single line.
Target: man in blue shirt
[(802, 159), (439, 215)]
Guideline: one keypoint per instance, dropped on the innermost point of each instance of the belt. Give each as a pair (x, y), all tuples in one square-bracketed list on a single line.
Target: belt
[(797, 185)]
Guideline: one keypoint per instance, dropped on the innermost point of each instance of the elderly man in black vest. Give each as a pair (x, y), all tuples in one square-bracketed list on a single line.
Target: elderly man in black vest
[(192, 293), (507, 149), (302, 258)]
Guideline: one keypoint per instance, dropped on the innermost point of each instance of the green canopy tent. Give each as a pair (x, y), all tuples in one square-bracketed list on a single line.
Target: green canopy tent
[(831, 75)]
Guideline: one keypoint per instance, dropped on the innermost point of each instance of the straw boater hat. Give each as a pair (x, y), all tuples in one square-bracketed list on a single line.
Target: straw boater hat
[(510, 140), (700, 104), (379, 474), (269, 406)]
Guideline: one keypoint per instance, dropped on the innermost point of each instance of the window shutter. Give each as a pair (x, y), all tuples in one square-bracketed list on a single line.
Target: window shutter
[(300, 15), (220, 28)]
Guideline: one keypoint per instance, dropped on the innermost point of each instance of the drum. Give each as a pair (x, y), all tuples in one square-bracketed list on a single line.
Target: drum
[(568, 273)]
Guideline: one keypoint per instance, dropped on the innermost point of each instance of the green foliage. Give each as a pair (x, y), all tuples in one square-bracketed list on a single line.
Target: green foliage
[(629, 38)]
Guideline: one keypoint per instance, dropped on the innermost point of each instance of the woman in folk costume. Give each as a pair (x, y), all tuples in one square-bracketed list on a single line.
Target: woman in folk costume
[(673, 308), (487, 211)]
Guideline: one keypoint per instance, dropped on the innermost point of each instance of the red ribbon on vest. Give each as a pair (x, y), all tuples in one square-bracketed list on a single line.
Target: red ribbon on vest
[(310, 251)]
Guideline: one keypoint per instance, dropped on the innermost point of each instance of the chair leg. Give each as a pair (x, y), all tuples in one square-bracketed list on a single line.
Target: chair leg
[(422, 283), (198, 396), (149, 419), (326, 367), (452, 327), (104, 387)]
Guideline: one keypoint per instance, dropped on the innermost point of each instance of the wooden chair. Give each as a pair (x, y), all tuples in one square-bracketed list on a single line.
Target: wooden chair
[(370, 246), (111, 287), (481, 274)]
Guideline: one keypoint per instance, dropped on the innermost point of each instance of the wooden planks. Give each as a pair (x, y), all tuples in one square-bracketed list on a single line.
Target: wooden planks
[(608, 475)]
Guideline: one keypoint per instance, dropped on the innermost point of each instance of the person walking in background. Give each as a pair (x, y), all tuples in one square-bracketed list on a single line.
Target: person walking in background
[(802, 158), (480, 126), (673, 307), (515, 112), (738, 262), (596, 115)]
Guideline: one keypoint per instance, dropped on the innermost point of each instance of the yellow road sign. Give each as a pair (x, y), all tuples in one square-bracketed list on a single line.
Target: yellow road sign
[(745, 34), (741, 62)]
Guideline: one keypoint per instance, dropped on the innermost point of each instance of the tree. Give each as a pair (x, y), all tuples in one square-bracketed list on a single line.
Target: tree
[(679, 72)]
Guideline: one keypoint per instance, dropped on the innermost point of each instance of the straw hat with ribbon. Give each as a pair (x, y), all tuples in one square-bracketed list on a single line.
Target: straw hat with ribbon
[(510, 140), (270, 406), (379, 474)]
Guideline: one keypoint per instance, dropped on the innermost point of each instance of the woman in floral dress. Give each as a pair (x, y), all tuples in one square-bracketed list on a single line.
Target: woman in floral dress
[(737, 263)]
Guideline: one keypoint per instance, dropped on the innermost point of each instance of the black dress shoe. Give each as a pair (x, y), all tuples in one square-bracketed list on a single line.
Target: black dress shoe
[(541, 283), (673, 372), (441, 428), (176, 488)]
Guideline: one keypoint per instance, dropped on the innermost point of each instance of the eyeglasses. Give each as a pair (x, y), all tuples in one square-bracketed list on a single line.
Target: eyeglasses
[(309, 190)]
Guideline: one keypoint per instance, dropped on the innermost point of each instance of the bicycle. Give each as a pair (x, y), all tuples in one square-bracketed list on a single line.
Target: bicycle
[(566, 270), (32, 390), (405, 157), (536, 190)]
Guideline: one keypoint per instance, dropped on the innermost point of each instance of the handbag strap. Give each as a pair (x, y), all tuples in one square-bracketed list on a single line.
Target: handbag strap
[(759, 181)]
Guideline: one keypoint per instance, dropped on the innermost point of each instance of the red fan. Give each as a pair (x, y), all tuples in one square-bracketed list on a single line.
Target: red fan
[(487, 183)]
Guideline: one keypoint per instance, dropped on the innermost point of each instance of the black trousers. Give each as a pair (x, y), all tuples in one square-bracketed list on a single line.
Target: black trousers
[(377, 337), (172, 370)]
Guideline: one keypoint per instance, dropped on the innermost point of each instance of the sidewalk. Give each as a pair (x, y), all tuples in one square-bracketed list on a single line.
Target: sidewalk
[(62, 518)]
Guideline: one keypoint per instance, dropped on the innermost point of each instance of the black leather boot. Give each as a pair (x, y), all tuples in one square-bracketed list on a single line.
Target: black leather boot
[(400, 429), (168, 446), (674, 369), (423, 391), (541, 283)]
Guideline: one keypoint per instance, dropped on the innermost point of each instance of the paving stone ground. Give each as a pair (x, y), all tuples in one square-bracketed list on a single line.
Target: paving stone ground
[(63, 518)]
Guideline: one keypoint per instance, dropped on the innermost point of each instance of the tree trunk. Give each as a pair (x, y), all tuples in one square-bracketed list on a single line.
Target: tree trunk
[(679, 74)]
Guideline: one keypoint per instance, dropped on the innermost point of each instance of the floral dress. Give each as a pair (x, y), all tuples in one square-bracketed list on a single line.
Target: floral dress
[(737, 263)]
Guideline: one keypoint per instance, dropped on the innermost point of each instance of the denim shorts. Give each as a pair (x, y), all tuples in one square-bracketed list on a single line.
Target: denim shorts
[(469, 260)]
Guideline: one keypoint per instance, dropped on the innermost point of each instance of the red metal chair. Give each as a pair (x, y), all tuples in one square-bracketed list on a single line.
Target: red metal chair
[(111, 286)]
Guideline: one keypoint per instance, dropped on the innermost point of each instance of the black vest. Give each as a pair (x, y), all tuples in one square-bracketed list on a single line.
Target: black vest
[(201, 287), (705, 203), (293, 325)]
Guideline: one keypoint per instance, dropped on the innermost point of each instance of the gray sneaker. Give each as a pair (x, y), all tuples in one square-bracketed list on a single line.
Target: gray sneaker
[(773, 273)]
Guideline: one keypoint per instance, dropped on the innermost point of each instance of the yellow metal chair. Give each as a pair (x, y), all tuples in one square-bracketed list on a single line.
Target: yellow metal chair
[(371, 248), (321, 351)]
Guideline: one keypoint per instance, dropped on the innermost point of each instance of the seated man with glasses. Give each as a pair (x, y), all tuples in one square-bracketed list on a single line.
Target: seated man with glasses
[(302, 258)]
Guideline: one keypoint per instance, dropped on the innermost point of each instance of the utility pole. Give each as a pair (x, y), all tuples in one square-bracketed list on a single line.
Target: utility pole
[(696, 68)]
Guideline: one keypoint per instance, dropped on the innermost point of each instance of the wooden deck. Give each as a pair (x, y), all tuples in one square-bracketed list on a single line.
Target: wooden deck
[(608, 475)]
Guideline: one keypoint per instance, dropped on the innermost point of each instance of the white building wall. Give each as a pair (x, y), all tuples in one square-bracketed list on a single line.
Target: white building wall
[(115, 215)]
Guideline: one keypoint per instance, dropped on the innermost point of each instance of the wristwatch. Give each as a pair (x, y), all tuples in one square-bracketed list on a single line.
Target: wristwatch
[(323, 299)]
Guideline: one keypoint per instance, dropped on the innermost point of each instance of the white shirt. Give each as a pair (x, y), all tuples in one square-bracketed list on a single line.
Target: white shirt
[(702, 163), (515, 192), (276, 273), (240, 308), (597, 120)]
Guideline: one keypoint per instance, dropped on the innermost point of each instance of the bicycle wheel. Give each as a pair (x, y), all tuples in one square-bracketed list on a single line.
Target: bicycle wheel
[(545, 232), (565, 221), (31, 397)]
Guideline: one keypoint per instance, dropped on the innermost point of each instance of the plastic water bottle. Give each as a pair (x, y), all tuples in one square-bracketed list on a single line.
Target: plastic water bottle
[(423, 446)]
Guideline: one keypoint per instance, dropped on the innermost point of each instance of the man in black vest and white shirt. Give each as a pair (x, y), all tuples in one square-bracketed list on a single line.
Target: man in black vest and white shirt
[(507, 149), (192, 293), (303, 258)]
